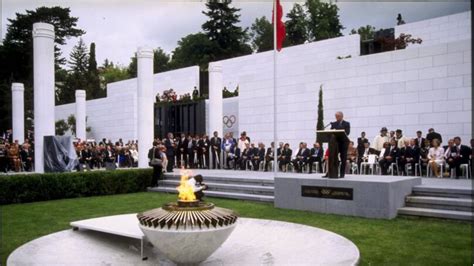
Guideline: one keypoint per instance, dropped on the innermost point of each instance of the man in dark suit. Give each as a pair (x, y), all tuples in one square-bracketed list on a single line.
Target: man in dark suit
[(216, 143), (301, 157), (389, 156), (316, 155), (259, 156), (342, 144), (170, 146), (245, 156), (269, 156), (154, 153), (433, 135), (460, 155), (285, 156), (419, 140), (360, 143), (410, 154), (181, 151)]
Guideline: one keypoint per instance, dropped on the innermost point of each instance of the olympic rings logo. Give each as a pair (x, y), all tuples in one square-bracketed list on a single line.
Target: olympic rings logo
[(229, 121)]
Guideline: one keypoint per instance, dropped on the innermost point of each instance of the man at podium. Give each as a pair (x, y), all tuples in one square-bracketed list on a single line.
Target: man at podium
[(342, 144)]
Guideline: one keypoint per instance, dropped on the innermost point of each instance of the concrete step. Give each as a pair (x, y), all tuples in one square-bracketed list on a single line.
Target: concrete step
[(247, 180), (228, 187), (446, 214), (455, 204), (446, 192), (220, 194)]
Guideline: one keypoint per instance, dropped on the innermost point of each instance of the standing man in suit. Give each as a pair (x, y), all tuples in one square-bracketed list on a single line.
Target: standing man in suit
[(343, 144), (170, 145), (216, 143), (360, 143), (419, 140), (433, 135)]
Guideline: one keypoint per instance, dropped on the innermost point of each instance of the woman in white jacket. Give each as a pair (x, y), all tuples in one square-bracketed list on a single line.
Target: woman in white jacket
[(436, 157)]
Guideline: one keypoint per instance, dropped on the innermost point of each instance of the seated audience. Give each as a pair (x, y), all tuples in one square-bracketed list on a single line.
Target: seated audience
[(316, 155), (409, 155), (388, 156), (352, 156)]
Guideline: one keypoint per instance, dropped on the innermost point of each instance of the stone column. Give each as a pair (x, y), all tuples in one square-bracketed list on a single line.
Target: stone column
[(18, 112), (145, 100), (81, 114), (43, 72), (216, 85)]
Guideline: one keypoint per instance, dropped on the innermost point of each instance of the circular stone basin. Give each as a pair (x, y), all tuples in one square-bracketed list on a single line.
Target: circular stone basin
[(253, 242)]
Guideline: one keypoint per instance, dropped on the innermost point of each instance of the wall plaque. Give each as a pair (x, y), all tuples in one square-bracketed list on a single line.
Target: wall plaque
[(327, 192)]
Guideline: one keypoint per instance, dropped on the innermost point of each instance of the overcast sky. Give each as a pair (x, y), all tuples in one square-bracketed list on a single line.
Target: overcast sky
[(118, 27)]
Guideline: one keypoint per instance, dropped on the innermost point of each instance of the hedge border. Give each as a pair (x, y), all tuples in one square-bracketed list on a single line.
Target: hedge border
[(24, 188)]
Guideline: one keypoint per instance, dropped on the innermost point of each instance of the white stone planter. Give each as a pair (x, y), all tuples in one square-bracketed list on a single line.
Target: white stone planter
[(187, 246)]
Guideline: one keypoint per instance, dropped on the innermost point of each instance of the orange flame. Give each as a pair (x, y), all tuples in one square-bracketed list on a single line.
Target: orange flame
[(186, 191)]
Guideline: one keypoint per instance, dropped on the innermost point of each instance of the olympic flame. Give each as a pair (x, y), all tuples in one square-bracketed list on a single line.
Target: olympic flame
[(186, 191)]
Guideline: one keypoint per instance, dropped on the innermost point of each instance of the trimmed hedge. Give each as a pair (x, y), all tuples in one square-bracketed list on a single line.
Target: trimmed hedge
[(51, 186)]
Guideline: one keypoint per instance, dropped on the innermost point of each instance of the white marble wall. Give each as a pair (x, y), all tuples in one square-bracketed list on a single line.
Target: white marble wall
[(425, 86), (439, 30), (115, 116)]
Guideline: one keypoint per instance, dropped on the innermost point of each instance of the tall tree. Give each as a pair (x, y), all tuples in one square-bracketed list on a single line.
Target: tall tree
[(77, 76), (221, 28), (111, 73), (323, 20), (320, 124), (296, 26), (16, 52), (161, 61), (261, 33), (194, 49), (93, 89)]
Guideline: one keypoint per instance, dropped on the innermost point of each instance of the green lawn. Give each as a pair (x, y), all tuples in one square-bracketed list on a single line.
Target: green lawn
[(402, 241)]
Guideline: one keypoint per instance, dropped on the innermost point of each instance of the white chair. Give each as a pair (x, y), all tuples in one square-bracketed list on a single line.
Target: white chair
[(369, 165), (429, 171), (466, 170)]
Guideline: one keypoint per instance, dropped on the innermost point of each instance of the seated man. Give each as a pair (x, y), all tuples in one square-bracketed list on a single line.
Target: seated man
[(463, 155), (198, 186), (389, 156), (300, 158), (245, 156), (409, 155), (259, 156), (285, 157), (316, 155)]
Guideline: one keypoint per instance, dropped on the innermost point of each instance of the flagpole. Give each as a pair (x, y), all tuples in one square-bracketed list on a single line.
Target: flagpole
[(275, 137)]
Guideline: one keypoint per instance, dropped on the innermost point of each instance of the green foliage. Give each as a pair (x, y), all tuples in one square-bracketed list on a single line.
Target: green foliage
[(366, 32), (16, 52), (222, 30), (61, 127), (111, 73), (161, 61), (228, 94), (323, 20), (71, 121), (51, 186), (296, 26), (320, 124), (261, 34), (193, 49)]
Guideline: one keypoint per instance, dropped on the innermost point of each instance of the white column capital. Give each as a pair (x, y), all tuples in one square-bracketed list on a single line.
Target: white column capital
[(44, 30), (215, 67), (80, 94), (18, 87), (144, 52)]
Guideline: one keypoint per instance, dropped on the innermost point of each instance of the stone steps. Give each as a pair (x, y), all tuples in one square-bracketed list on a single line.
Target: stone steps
[(439, 202), (442, 203), (228, 179), (220, 194), (429, 212), (443, 192), (227, 187)]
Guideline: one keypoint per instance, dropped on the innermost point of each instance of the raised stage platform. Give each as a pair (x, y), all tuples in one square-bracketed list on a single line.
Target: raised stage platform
[(370, 196)]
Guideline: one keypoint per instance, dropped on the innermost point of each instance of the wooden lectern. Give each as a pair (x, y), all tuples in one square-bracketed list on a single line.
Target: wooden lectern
[(332, 136)]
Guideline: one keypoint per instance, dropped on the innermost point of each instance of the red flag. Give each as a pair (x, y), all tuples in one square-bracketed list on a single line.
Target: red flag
[(280, 26)]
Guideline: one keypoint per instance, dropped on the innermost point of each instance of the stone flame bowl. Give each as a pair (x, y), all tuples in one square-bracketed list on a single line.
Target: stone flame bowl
[(187, 232)]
